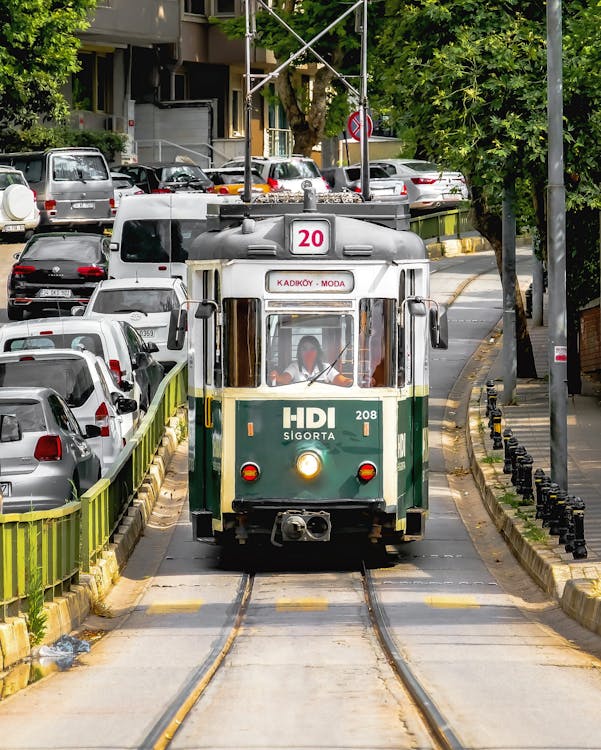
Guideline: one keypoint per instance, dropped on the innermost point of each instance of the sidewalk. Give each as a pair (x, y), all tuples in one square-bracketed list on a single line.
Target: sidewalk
[(576, 584)]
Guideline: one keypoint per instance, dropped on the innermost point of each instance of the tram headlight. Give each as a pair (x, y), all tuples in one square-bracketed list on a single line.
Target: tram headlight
[(366, 471), (250, 471), (308, 464)]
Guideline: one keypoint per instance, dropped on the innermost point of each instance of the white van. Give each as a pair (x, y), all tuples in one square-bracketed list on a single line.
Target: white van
[(153, 234)]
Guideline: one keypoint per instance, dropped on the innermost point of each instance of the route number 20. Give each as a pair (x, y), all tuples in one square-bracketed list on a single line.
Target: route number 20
[(310, 237)]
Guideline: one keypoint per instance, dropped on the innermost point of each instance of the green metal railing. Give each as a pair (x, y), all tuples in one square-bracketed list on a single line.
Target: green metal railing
[(63, 542), (442, 225)]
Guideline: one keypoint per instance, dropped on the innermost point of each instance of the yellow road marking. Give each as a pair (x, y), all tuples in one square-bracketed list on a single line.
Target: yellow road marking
[(452, 602), (172, 608), (301, 605)]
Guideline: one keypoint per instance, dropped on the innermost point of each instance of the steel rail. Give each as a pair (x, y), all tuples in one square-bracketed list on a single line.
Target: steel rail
[(435, 721), (163, 732)]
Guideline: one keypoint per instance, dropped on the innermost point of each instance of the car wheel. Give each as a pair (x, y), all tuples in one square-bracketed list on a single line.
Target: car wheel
[(14, 313), (28, 235)]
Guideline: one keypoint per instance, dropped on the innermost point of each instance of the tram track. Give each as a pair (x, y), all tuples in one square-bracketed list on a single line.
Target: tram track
[(173, 718)]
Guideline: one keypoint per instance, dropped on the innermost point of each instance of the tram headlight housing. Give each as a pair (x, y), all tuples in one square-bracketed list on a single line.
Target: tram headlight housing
[(308, 464), (250, 471)]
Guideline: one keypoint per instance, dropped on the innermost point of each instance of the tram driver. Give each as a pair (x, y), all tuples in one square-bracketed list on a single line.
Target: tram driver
[(309, 365)]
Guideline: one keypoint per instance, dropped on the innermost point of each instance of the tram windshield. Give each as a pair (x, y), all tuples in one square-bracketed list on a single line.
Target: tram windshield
[(310, 347)]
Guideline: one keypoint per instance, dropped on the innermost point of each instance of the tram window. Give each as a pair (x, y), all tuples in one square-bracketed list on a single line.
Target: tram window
[(401, 342), (377, 343), (242, 353), (155, 240), (301, 346)]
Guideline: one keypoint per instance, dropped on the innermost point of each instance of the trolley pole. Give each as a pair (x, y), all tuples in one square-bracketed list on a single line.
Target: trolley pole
[(508, 278), (249, 7), (363, 110), (556, 230)]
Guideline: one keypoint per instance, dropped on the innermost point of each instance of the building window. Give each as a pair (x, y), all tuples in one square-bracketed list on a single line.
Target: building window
[(179, 85), (195, 7), (224, 7), (93, 83), (237, 113)]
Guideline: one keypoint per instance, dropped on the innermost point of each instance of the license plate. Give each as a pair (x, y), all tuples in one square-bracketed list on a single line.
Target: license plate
[(84, 205), (5, 489), (147, 333), (14, 227), (55, 293)]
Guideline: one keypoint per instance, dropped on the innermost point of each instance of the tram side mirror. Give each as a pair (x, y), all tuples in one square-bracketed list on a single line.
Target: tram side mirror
[(205, 309), (178, 325), (439, 327), (416, 306)]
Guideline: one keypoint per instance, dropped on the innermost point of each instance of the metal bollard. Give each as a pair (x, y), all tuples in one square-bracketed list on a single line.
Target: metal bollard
[(497, 440), (519, 451), (559, 527), (554, 490), (507, 434), (490, 386), (580, 551), (569, 534), (526, 485), (511, 449), (548, 488), (539, 475)]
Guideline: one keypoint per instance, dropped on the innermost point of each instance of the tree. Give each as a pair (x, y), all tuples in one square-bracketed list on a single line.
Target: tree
[(320, 110), (38, 52), (469, 79)]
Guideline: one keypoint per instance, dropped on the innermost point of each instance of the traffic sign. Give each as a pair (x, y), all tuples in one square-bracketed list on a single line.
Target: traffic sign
[(354, 125)]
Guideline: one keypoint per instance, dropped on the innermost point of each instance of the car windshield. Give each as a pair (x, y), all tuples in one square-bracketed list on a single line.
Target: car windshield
[(235, 178), (70, 378), (131, 300), (182, 173), (77, 249), (354, 173), (295, 170), (78, 167), (11, 178), (422, 166), (89, 341), (159, 240), (29, 414), (121, 182)]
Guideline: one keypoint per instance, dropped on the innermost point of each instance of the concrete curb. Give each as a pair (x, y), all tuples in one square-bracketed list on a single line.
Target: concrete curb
[(575, 585), (457, 246), (68, 612)]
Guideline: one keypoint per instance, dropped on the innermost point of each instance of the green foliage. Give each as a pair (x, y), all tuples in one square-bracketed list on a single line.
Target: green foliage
[(39, 137), (37, 55), (36, 614)]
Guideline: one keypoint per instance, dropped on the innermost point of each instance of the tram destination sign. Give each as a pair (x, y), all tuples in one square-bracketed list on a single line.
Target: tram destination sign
[(310, 237), (296, 282)]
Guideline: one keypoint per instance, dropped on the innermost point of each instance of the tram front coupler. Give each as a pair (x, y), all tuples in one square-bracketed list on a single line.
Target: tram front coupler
[(301, 526)]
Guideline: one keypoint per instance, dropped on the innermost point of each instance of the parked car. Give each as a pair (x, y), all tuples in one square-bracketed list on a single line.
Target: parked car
[(285, 172), (56, 272), (123, 185), (166, 177), (230, 181), (152, 306), (73, 186), (81, 378), (381, 186), (128, 357), (19, 214), (428, 186), (45, 457)]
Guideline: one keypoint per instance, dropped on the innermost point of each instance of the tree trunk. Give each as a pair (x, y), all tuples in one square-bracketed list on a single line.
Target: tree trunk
[(489, 225)]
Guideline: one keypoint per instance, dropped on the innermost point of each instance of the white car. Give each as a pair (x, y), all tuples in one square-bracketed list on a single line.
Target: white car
[(428, 186), (82, 379), (128, 357), (286, 173), (19, 214), (123, 185), (151, 305)]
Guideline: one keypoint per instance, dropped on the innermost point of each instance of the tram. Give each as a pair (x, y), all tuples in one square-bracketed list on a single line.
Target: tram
[(308, 331)]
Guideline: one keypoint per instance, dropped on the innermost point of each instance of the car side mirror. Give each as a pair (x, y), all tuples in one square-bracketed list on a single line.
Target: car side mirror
[(126, 385), (205, 309), (78, 310), (10, 429), (16, 256), (178, 325), (416, 306), (151, 347), (439, 327), (92, 431), (126, 405)]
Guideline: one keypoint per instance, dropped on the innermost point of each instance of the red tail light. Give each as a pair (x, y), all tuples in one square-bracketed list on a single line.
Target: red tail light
[(403, 190), (92, 272), (357, 189), (50, 205), (115, 368), (48, 448), (162, 190), (102, 420), (223, 190), (423, 180), (35, 195), (250, 472), (273, 184), (326, 183), (22, 270), (112, 206), (211, 189), (366, 471)]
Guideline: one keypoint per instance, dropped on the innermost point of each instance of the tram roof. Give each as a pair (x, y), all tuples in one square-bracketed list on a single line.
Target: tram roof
[(267, 236)]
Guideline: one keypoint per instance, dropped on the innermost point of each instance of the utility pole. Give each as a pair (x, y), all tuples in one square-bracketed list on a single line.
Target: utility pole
[(556, 231), (508, 279), (250, 30), (363, 110)]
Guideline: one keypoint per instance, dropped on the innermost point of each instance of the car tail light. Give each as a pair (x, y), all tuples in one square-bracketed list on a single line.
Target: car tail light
[(35, 195), (92, 272), (115, 368), (250, 472), (50, 204), (423, 180), (403, 190), (326, 183), (223, 190), (112, 206), (161, 190), (273, 184), (19, 270), (48, 448), (211, 189), (366, 471), (102, 420), (357, 189)]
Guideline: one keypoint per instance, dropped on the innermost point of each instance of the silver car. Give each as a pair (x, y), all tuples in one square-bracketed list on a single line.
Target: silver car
[(381, 186), (428, 186), (45, 460)]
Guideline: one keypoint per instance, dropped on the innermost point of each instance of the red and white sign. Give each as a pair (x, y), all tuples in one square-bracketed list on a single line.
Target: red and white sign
[(306, 282), (310, 237), (560, 354), (354, 125)]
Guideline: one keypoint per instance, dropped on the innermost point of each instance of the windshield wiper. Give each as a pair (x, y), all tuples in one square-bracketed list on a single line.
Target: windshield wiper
[(312, 379), (130, 309)]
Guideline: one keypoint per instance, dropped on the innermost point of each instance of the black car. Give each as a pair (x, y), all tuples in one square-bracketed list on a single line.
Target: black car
[(56, 272), (166, 177)]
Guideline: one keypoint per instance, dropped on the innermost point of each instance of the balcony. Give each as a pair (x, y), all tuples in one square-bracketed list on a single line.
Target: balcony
[(134, 22)]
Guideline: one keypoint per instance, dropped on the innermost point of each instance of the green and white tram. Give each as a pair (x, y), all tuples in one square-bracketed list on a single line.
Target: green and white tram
[(308, 359)]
